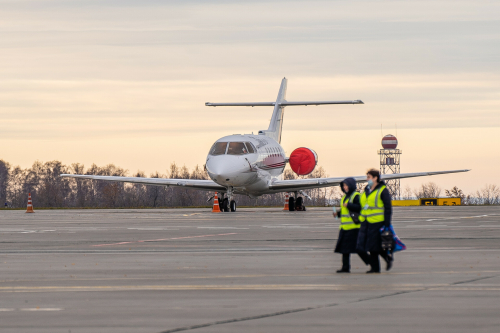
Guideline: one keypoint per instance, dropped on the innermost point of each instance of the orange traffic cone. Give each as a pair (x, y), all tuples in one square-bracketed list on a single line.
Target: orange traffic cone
[(216, 208), (286, 201), (30, 205)]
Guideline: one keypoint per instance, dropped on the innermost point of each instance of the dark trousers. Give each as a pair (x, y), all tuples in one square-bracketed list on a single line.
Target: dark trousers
[(375, 262), (346, 260)]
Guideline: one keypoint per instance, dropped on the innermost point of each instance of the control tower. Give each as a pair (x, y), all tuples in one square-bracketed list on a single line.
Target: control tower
[(390, 163)]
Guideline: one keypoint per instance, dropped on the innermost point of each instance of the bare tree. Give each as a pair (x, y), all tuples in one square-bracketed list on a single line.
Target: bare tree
[(407, 193), (50, 190), (4, 181), (489, 195), (429, 190), (455, 192)]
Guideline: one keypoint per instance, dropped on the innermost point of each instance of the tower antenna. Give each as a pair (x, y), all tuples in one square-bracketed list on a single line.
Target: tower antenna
[(390, 158)]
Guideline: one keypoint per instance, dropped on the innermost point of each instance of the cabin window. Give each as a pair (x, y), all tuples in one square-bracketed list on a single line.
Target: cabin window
[(237, 148), (219, 148), (250, 147)]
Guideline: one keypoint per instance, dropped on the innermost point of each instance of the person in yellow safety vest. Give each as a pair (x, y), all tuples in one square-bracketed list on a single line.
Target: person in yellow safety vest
[(348, 234), (376, 212)]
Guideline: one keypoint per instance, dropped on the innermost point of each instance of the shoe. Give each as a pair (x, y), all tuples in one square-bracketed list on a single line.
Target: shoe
[(389, 265), (343, 271), (371, 271)]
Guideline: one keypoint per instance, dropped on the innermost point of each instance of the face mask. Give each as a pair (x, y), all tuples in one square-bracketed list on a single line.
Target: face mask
[(370, 183)]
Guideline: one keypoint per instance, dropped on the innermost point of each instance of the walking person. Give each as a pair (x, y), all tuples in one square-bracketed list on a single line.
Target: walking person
[(349, 227), (376, 212)]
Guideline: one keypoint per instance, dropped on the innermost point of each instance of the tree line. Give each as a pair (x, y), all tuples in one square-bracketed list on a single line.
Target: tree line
[(51, 191), (489, 194)]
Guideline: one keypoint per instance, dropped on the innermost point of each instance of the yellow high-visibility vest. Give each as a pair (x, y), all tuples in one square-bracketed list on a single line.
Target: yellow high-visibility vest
[(346, 222), (372, 207)]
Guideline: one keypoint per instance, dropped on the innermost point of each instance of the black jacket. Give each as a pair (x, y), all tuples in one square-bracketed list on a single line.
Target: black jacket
[(386, 199), (348, 239), (355, 205), (369, 234)]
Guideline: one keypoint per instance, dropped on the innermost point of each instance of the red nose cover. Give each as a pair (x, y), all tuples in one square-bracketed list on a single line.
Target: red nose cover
[(303, 161)]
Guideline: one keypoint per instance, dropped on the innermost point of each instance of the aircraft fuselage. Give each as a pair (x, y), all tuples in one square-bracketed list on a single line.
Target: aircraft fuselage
[(246, 164)]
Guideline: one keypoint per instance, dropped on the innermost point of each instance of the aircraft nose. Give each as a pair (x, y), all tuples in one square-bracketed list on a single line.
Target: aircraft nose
[(225, 170), (221, 172)]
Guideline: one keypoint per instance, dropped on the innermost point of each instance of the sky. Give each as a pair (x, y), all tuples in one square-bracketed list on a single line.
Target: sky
[(125, 81)]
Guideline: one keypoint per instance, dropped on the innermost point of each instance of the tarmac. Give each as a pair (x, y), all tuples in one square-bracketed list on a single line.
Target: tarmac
[(256, 270)]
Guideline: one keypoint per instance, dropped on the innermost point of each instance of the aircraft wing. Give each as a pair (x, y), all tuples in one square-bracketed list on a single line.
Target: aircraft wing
[(310, 183), (198, 184)]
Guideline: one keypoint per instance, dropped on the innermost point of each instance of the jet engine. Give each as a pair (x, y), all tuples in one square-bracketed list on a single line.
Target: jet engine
[(303, 161)]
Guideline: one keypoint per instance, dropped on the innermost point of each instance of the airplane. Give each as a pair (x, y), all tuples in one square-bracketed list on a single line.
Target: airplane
[(253, 165)]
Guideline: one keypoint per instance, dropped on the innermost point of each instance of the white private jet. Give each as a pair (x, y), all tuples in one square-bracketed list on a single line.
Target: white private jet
[(253, 165)]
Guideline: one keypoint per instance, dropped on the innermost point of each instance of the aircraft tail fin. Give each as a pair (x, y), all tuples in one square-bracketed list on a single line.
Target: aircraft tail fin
[(276, 123)]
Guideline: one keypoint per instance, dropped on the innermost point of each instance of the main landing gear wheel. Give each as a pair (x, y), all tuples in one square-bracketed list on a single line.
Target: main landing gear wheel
[(291, 204), (224, 205), (299, 204), (232, 205)]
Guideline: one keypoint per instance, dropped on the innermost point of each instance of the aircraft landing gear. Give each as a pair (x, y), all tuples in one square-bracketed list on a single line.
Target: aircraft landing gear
[(296, 204), (227, 203), (299, 204), (224, 207), (291, 204)]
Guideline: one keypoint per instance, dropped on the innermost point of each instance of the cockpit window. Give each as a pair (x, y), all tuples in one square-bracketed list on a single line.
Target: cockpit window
[(250, 147), (219, 148), (236, 148)]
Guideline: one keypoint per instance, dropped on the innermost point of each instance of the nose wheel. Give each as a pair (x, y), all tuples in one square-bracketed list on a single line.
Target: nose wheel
[(224, 205), (228, 203)]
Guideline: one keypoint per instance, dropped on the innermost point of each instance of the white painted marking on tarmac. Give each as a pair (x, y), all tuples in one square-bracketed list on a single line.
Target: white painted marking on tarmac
[(471, 217), (41, 309), (296, 227), (154, 229), (163, 239), (22, 231), (420, 226), (221, 228), (453, 250), (6, 309)]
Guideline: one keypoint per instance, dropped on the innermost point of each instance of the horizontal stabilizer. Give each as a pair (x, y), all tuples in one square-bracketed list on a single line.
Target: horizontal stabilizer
[(285, 103), (241, 104)]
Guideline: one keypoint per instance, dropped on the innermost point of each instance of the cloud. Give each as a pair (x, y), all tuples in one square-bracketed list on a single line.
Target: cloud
[(101, 74)]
